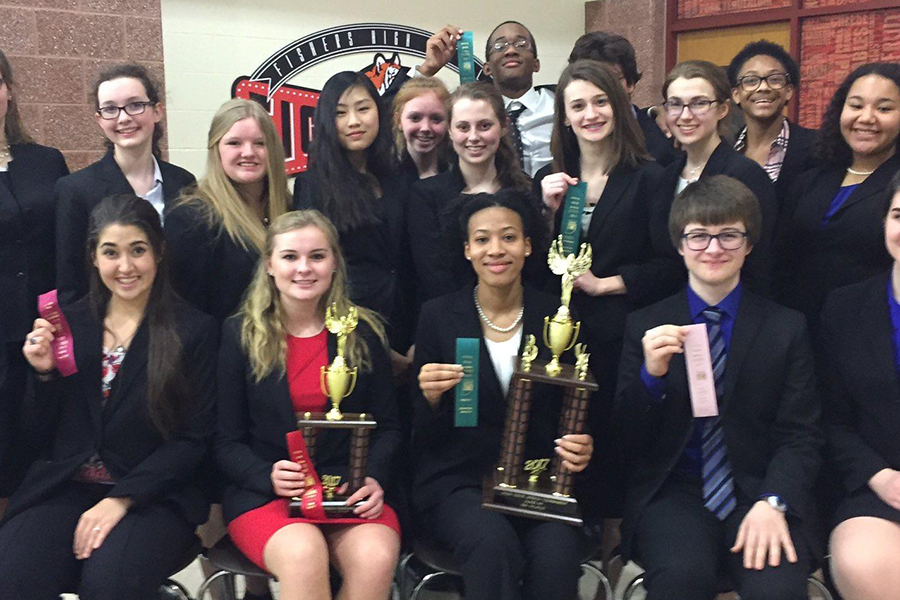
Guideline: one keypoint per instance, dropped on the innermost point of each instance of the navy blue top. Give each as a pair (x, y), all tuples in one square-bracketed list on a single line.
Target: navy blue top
[(895, 322), (839, 199), (690, 460)]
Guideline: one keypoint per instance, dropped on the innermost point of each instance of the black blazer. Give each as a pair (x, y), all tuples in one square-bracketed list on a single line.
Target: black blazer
[(27, 244), (254, 418), (374, 254), (769, 410), (797, 159), (430, 247), (77, 195), (447, 457), (816, 259), (67, 416), (207, 268), (757, 272), (862, 390), (661, 148)]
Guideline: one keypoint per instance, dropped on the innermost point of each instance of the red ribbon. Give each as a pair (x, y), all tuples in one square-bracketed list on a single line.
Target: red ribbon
[(62, 346), (311, 504)]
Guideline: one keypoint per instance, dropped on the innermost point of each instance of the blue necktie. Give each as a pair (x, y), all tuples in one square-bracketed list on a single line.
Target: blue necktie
[(718, 478)]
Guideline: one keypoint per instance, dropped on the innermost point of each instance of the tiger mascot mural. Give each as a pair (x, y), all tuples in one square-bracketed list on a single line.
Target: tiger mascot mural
[(383, 71)]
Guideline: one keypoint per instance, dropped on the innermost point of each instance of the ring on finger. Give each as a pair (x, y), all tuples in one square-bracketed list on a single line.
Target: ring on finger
[(32, 340), (96, 529)]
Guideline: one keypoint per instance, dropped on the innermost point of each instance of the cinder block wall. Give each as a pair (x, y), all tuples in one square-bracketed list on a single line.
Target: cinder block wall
[(57, 47)]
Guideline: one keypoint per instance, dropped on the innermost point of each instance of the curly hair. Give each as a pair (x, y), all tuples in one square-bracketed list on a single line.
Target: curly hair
[(831, 147)]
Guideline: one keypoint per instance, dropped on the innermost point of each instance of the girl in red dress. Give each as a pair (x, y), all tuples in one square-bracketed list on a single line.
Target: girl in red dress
[(270, 358)]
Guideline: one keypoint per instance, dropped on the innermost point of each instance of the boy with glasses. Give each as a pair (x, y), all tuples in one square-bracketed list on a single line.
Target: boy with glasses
[(511, 60), (725, 494), (764, 78)]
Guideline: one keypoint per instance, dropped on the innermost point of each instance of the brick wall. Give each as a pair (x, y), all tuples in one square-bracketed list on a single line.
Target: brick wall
[(57, 47), (643, 22)]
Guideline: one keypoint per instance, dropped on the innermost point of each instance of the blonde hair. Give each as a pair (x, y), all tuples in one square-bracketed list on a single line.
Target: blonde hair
[(413, 88), (216, 192), (263, 330)]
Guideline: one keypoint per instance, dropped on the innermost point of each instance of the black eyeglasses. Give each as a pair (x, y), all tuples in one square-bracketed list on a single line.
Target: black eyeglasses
[(775, 81), (697, 107), (519, 44), (728, 240), (132, 108)]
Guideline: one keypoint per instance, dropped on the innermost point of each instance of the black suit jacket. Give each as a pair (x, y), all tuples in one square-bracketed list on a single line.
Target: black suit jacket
[(757, 273), (254, 418), (862, 390), (374, 254), (447, 457), (66, 414), (206, 267), (77, 195), (797, 159), (769, 410), (661, 148), (815, 259), (27, 244)]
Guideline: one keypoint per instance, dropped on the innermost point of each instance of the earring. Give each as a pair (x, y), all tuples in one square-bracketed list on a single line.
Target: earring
[(468, 258), (269, 273)]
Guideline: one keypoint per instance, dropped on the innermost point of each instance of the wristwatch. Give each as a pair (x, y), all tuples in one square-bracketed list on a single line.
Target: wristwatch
[(776, 503)]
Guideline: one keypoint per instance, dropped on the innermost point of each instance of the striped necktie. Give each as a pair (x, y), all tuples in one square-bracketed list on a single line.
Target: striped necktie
[(718, 478), (514, 111)]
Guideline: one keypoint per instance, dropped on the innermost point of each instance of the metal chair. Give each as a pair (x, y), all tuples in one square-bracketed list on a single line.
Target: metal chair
[(724, 584), (440, 564), (230, 562)]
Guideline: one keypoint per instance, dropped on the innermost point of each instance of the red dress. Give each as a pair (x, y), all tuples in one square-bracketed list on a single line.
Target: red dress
[(251, 531)]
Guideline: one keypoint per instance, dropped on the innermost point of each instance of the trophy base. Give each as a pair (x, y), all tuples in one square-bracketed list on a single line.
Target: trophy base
[(531, 500), (335, 508)]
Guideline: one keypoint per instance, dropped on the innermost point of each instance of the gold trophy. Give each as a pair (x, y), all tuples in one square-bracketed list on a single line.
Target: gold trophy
[(560, 331), (337, 379), (541, 488)]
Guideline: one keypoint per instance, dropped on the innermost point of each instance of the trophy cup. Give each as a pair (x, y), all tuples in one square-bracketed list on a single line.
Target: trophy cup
[(338, 381), (541, 488), (560, 332)]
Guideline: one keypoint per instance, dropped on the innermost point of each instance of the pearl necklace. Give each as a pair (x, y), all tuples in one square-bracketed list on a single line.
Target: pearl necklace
[(488, 321), (860, 173), (5, 154)]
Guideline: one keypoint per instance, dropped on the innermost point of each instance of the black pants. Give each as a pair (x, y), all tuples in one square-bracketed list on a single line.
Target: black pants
[(684, 549), (506, 558), (15, 453), (37, 561)]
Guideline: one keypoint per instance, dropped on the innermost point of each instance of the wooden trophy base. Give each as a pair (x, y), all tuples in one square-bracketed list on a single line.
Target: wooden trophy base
[(534, 500), (334, 508)]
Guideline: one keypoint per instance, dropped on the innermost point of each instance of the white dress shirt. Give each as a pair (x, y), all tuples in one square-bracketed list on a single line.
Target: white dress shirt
[(155, 195), (535, 125)]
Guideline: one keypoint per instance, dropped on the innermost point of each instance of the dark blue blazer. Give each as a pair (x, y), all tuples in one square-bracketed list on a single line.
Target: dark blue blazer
[(27, 242), (67, 416), (255, 416), (770, 409), (814, 259), (77, 195)]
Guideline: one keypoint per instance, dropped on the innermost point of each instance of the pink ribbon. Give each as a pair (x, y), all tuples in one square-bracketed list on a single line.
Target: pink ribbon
[(62, 346)]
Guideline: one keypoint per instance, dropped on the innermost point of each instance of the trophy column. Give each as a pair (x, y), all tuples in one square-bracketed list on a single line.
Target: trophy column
[(359, 456), (515, 431), (572, 420)]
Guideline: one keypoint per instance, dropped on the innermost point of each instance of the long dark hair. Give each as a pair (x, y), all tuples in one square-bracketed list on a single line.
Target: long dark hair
[(14, 130), (345, 195), (132, 71), (168, 392), (506, 161), (626, 139), (831, 147)]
